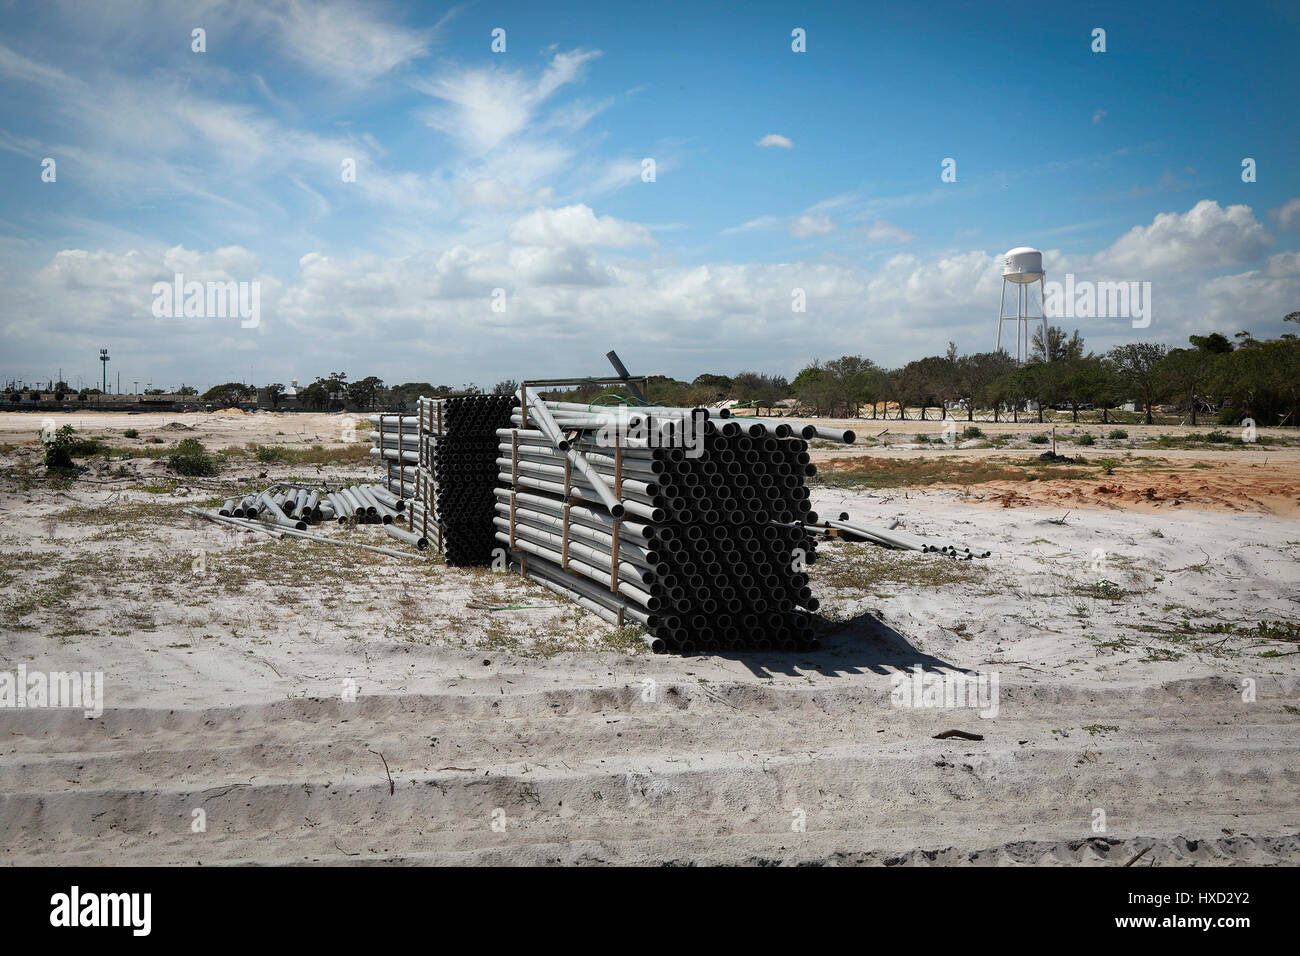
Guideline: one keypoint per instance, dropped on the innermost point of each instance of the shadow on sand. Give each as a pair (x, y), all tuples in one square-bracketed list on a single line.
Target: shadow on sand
[(864, 644)]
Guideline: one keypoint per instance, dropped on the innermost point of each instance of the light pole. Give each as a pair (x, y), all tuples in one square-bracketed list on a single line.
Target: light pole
[(103, 358)]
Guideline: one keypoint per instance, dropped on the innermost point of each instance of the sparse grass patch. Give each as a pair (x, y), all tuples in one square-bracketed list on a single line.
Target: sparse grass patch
[(943, 470), (628, 638), (1194, 438), (123, 513), (350, 454), (1278, 631), (865, 568), (1096, 729), (1102, 591)]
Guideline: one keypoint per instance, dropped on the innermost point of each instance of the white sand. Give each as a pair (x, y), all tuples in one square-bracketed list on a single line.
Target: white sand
[(224, 694)]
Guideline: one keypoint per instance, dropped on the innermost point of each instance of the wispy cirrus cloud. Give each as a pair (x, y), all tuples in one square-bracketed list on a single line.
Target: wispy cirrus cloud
[(482, 107), (882, 231), (345, 41)]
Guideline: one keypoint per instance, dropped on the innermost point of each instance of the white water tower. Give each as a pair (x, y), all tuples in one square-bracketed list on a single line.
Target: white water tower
[(1022, 267)]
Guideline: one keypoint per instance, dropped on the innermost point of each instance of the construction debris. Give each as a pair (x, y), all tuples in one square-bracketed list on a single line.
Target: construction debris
[(892, 537)]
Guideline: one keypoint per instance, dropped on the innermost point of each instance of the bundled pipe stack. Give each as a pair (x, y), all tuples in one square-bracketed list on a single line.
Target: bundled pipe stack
[(693, 527), (443, 460)]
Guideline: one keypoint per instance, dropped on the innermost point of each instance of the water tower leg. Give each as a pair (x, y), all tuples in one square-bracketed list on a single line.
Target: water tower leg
[(1024, 320), (1042, 308), (1021, 348), (1001, 306)]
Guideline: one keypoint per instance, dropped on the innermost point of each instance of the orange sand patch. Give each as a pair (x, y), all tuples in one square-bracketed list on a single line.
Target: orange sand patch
[(1271, 488)]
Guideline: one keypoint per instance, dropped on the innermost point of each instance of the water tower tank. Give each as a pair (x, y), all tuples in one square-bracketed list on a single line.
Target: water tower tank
[(1023, 265)]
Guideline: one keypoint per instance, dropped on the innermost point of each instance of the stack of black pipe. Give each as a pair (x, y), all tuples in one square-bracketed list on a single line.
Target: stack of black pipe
[(459, 472), (718, 559)]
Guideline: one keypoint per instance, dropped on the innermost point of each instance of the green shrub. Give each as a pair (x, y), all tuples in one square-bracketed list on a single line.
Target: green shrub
[(1038, 439), (1085, 439), (58, 449), (64, 445), (154, 440), (192, 459), (269, 454), (972, 431), (131, 433), (1229, 416), (1117, 433), (1218, 438)]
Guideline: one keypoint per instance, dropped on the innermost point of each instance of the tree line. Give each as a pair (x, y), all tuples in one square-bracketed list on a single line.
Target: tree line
[(1229, 378)]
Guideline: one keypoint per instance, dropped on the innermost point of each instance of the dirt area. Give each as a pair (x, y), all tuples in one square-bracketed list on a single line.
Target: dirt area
[(319, 703), (225, 429), (1153, 483)]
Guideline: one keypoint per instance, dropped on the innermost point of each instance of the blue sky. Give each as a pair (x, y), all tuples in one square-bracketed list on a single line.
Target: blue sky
[(521, 171)]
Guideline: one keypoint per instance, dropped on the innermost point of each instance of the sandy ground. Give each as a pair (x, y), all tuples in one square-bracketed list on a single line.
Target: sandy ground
[(1141, 706)]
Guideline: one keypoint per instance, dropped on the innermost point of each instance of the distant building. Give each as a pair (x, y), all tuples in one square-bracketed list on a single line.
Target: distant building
[(288, 398)]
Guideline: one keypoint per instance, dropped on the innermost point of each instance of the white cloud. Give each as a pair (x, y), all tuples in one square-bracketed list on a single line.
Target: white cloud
[(341, 40), (754, 225), (577, 226), (815, 222), (1232, 302), (775, 139), (564, 297), (1205, 238), (486, 106), (1287, 214), (882, 231), (494, 194), (106, 295)]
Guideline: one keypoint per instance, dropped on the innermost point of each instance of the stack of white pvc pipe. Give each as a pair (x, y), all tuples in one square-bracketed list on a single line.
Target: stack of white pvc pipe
[(395, 444), (294, 507)]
